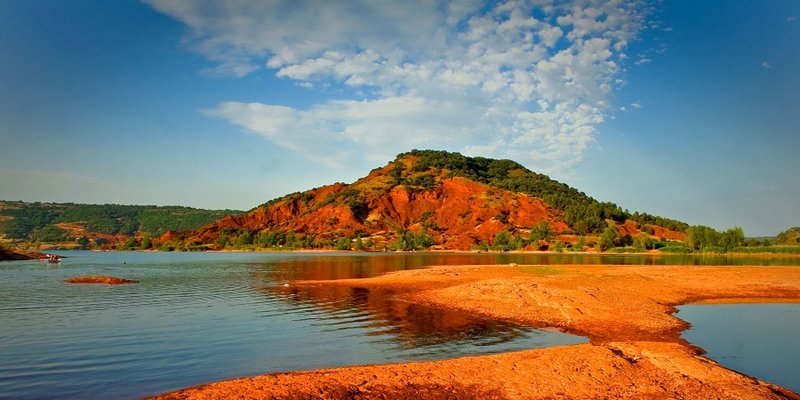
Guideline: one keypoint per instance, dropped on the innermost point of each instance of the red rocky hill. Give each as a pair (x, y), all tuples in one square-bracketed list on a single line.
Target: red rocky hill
[(459, 202)]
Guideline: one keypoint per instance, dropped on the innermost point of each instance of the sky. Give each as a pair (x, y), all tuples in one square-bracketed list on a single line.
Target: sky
[(684, 109)]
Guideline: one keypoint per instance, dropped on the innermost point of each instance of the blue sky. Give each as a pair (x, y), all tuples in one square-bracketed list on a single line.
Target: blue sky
[(684, 109)]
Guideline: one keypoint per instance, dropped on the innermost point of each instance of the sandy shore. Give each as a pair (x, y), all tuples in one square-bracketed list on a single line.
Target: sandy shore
[(626, 312)]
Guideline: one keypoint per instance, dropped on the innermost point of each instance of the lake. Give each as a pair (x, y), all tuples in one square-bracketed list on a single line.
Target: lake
[(756, 339), (201, 317)]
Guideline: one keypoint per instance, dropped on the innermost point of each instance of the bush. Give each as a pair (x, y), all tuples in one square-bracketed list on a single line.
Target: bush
[(408, 240), (541, 232), (608, 239), (623, 250), (343, 244), (580, 244), (483, 246)]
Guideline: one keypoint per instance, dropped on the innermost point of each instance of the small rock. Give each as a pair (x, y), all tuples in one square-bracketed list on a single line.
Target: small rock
[(108, 280)]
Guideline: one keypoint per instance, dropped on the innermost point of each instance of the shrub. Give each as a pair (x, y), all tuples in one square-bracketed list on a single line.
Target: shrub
[(343, 244)]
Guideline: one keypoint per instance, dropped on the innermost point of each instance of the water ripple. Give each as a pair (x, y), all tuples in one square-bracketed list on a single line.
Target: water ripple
[(195, 318)]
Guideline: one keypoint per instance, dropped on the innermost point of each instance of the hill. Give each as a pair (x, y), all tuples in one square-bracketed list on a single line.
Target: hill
[(430, 198), (790, 236), (100, 225)]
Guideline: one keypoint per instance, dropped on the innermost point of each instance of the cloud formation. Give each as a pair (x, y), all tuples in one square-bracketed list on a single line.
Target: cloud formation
[(528, 80)]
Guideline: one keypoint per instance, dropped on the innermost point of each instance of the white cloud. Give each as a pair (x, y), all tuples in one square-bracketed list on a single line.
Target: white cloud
[(530, 80), (636, 106), (765, 65), (791, 19)]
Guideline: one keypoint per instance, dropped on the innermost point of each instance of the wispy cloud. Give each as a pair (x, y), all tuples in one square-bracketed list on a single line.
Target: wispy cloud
[(765, 65), (791, 19), (527, 80)]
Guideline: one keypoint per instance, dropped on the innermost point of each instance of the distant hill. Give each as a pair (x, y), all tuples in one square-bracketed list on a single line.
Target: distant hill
[(790, 236), (101, 224), (432, 198)]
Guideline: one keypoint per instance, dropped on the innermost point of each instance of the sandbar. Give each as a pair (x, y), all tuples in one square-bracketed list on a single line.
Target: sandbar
[(634, 350)]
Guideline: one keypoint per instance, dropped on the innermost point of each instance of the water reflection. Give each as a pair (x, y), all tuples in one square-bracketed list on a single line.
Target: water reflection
[(408, 325), (199, 317), (361, 265), (315, 266), (404, 325)]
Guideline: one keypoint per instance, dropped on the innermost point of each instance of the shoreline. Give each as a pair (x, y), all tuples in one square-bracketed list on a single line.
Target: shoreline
[(626, 312), (651, 253)]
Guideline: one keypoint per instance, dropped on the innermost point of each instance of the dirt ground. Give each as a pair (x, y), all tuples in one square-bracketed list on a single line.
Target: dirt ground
[(634, 348)]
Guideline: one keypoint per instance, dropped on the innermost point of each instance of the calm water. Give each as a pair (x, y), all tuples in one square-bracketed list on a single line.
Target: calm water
[(200, 317), (757, 339)]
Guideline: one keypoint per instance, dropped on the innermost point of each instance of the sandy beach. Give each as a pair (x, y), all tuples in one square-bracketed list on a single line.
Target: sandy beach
[(626, 312)]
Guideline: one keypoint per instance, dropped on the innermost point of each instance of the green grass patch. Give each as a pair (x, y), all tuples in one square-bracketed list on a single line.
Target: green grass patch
[(624, 250), (767, 249)]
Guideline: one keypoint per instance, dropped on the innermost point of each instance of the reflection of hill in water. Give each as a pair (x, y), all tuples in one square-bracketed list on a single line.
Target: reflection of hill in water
[(286, 267), (409, 325), (377, 313)]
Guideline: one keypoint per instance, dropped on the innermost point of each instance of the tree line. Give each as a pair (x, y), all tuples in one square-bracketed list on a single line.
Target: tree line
[(37, 221)]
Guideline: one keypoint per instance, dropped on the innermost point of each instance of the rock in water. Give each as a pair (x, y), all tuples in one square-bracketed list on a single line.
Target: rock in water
[(109, 280)]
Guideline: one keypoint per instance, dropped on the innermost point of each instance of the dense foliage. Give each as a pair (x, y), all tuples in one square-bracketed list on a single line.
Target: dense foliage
[(37, 221), (704, 238), (408, 240), (583, 213)]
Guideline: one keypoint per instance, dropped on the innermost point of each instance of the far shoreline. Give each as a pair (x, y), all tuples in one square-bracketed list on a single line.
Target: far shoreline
[(456, 251)]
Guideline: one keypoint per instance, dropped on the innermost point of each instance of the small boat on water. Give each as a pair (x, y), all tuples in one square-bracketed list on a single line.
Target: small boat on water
[(53, 258)]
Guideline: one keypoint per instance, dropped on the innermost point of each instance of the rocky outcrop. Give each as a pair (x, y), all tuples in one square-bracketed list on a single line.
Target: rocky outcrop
[(457, 212), (11, 255)]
